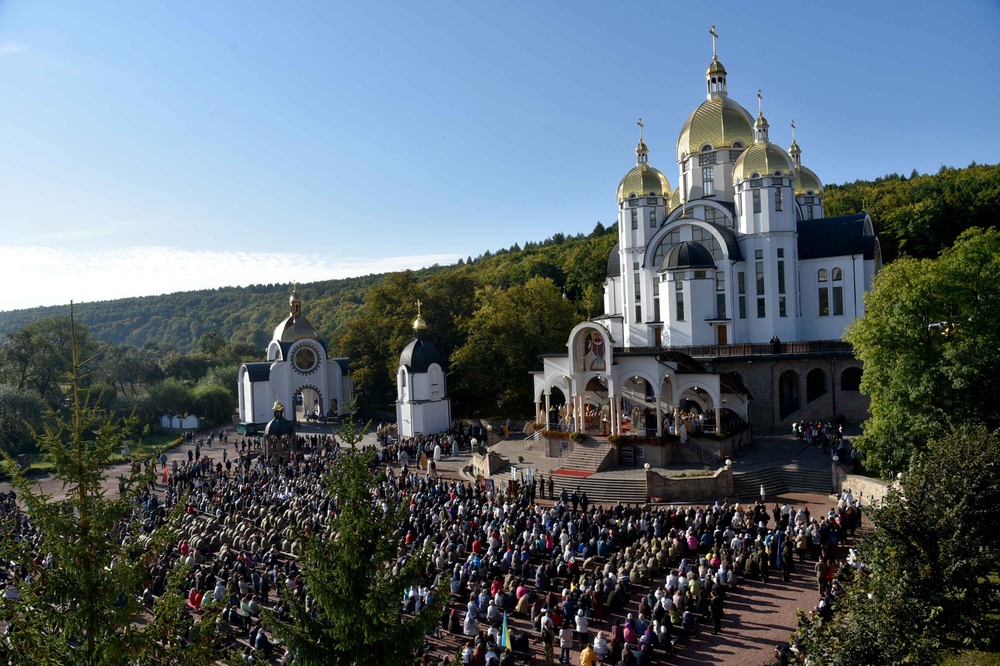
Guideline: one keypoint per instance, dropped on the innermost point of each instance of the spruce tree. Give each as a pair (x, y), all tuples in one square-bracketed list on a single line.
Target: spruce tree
[(358, 572), (83, 607)]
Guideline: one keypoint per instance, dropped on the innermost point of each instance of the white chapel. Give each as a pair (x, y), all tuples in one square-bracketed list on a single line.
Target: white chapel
[(422, 403)]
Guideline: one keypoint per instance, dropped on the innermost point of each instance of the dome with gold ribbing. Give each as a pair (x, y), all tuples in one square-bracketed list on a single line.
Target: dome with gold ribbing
[(643, 180), (806, 180), (295, 326)]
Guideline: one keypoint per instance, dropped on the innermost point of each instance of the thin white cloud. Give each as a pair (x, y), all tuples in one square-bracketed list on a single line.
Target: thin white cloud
[(9, 48), (36, 276)]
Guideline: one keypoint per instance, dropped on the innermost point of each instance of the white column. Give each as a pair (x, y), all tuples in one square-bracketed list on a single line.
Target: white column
[(718, 420), (548, 408), (659, 418)]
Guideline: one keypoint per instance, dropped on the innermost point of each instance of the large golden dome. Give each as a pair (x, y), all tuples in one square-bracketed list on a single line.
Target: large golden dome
[(764, 159), (643, 181), (718, 121), (807, 181)]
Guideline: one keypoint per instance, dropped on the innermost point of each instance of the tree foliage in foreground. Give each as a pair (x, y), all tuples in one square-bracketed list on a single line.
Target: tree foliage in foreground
[(930, 344), (82, 609), (929, 580), (351, 571)]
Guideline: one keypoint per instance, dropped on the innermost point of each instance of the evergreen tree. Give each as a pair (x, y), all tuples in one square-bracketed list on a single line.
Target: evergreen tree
[(358, 574), (81, 608)]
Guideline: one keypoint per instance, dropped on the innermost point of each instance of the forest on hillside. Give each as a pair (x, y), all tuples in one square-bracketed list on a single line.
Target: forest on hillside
[(490, 315)]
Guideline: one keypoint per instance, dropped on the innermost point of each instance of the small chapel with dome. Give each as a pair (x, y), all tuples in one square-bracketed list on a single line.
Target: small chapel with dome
[(735, 266), (422, 403), (298, 372)]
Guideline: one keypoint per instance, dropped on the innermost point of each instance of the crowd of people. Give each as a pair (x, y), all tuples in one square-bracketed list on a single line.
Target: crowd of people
[(621, 584)]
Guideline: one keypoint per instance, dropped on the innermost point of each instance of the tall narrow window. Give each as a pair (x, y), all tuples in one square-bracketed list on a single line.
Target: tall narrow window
[(809, 212), (720, 305), (742, 289), (761, 313), (656, 310), (635, 283), (756, 201), (781, 276), (777, 199), (824, 293), (708, 181), (680, 301), (782, 307), (638, 314), (838, 292), (652, 218), (759, 265), (656, 299), (635, 218)]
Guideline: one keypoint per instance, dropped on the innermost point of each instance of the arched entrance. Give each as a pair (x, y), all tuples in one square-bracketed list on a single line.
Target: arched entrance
[(308, 404), (815, 384), (557, 407), (788, 393)]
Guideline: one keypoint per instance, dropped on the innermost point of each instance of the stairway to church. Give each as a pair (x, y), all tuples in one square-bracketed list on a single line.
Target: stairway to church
[(778, 480), (589, 455), (603, 490)]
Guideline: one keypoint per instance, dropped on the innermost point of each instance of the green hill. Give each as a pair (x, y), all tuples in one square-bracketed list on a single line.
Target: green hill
[(917, 215)]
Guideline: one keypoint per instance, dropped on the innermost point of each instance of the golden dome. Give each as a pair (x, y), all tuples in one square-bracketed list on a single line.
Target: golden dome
[(715, 67), (720, 122), (419, 324), (641, 148), (295, 328), (643, 181), (806, 181), (761, 121), (794, 148), (764, 159), (278, 407), (675, 199)]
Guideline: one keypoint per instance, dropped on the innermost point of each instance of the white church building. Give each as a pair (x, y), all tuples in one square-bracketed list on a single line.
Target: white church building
[(422, 403), (298, 372), (734, 269)]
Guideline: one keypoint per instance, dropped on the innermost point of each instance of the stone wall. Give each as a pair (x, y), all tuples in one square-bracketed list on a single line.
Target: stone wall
[(487, 465), (762, 376), (672, 489), (863, 488)]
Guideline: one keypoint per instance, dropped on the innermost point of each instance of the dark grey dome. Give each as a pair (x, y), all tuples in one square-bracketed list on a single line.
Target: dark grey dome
[(688, 254), (614, 262), (419, 355), (279, 426)]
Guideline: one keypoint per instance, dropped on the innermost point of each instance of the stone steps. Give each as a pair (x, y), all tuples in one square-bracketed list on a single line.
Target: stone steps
[(588, 456), (602, 490), (778, 480)]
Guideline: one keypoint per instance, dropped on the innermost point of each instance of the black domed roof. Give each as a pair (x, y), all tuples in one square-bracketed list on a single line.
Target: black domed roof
[(688, 254), (614, 262), (279, 426), (419, 355)]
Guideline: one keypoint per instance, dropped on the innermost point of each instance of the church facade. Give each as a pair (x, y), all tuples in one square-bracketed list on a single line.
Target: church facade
[(422, 403), (298, 372), (717, 283)]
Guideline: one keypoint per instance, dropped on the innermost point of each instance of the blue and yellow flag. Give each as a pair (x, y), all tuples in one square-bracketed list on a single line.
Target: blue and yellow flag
[(504, 633)]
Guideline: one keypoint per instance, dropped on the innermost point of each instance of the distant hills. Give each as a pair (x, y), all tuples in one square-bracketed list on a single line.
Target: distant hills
[(917, 215)]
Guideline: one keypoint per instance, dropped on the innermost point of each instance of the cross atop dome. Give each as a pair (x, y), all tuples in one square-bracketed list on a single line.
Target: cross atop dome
[(715, 75), (641, 151), (761, 125), (419, 324)]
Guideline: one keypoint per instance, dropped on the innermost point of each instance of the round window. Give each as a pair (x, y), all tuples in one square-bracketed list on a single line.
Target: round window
[(305, 359)]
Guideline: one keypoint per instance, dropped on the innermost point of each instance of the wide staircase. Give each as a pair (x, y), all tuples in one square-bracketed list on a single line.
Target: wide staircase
[(602, 490), (779, 480), (589, 455)]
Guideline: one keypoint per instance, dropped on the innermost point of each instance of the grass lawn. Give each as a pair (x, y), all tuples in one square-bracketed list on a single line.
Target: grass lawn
[(149, 445)]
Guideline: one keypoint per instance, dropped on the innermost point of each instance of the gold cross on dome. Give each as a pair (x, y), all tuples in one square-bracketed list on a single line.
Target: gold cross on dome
[(715, 36), (418, 307), (793, 130), (760, 102), (640, 129)]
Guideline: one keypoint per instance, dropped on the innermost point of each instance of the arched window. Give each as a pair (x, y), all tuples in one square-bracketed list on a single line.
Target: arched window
[(788, 393), (838, 292), (815, 384), (824, 293), (672, 238), (706, 238), (850, 379)]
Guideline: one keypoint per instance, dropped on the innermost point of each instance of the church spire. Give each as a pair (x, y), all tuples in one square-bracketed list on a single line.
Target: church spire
[(761, 125), (641, 151), (794, 151), (294, 304), (715, 76), (418, 324)]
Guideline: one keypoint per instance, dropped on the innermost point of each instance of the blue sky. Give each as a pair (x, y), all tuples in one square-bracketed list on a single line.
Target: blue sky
[(148, 147)]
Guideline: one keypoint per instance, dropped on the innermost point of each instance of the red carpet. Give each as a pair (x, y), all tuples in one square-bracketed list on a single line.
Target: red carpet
[(572, 472)]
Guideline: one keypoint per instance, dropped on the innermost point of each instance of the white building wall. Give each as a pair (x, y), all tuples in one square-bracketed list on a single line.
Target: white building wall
[(830, 327)]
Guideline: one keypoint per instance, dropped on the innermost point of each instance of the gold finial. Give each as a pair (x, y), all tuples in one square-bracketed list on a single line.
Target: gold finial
[(419, 324), (715, 36), (278, 407)]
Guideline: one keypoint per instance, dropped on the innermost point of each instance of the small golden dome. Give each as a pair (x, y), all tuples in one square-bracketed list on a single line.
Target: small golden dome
[(641, 148), (763, 159), (761, 121), (719, 122), (643, 181), (794, 148), (278, 407), (806, 181), (715, 67), (419, 324)]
